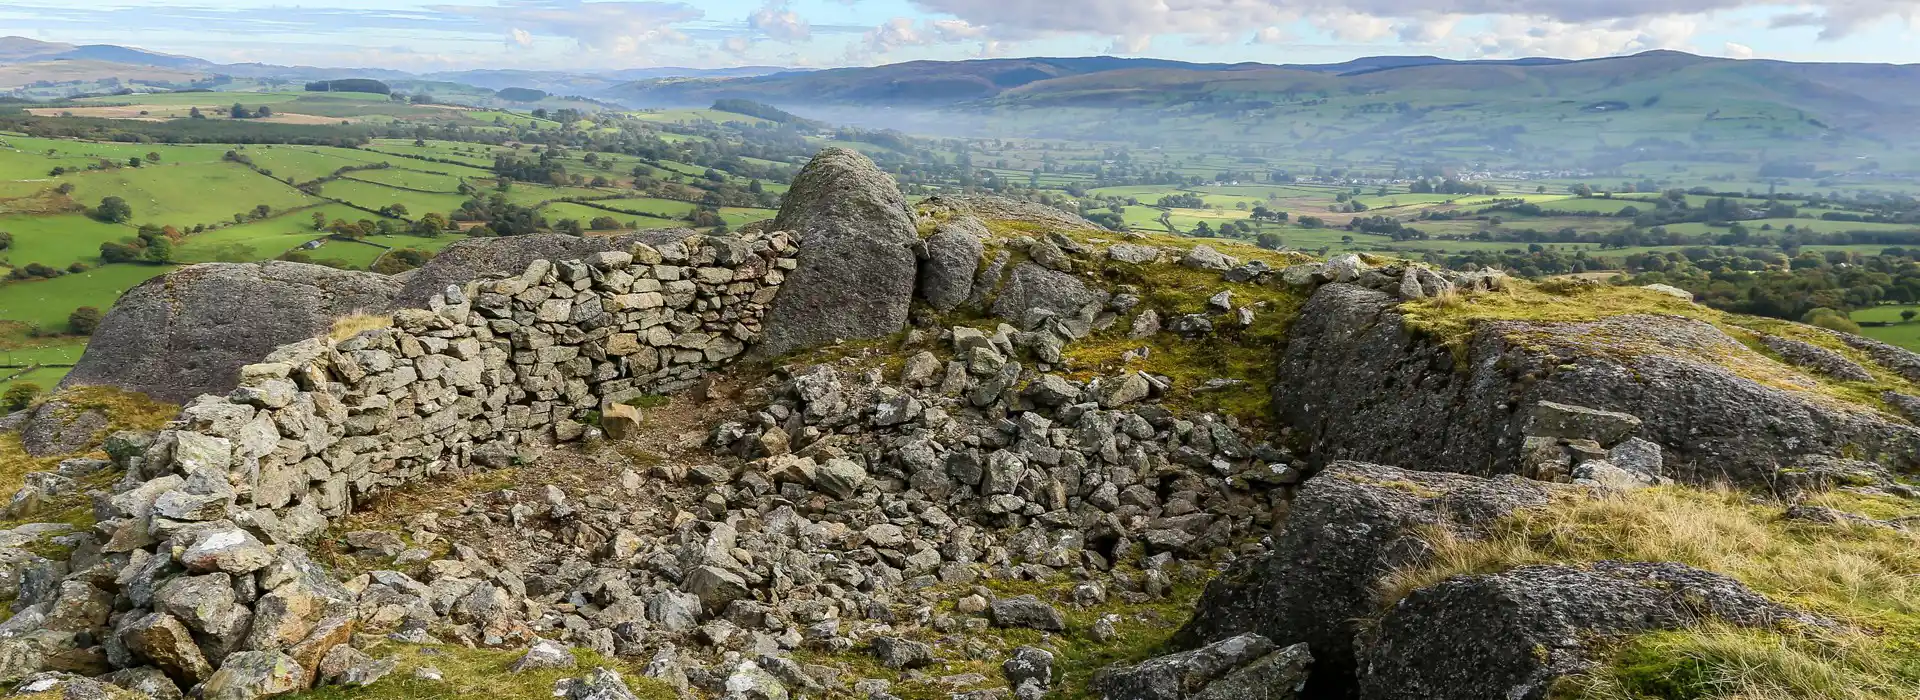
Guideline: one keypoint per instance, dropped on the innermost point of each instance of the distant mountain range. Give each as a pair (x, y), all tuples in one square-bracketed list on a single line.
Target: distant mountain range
[(1658, 99)]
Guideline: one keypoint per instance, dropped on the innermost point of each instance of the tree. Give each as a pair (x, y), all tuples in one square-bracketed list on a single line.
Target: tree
[(20, 395), (319, 221), (135, 162), (119, 252), (84, 320), (194, 113), (604, 223), (239, 112), (113, 210), (263, 112), (1268, 240), (159, 250), (262, 211), (1908, 315), (6, 240), (1830, 319), (153, 157)]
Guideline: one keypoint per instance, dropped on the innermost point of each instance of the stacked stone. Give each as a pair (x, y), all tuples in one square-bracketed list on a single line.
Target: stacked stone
[(192, 569)]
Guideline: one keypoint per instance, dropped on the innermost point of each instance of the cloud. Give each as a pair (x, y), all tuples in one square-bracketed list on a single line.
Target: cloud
[(618, 26), (520, 37), (1522, 36), (1126, 44), (1272, 35), (1741, 51), (736, 45), (779, 23), (892, 34), (1369, 20)]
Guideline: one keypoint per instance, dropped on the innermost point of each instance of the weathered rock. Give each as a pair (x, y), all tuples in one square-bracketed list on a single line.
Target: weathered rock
[(1281, 675), (1204, 257), (544, 654), (1513, 634), (182, 334), (1029, 664), (1184, 674), (58, 427), (1816, 358), (1026, 611), (897, 653), (169, 645), (602, 684), (953, 258), (621, 421), (254, 674), (345, 665), (1356, 388), (856, 274), (1349, 526), (1034, 287)]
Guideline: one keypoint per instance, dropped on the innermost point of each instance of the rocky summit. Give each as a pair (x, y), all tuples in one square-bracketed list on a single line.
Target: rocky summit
[(965, 448)]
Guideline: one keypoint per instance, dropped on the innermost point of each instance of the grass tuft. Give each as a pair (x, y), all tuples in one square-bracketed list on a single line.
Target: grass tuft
[(349, 326), (1865, 576)]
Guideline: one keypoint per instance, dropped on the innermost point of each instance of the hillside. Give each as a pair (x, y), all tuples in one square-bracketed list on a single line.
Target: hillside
[(965, 446)]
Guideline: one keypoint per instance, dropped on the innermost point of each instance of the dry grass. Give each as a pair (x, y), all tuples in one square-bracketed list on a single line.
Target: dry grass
[(349, 326), (1864, 576)]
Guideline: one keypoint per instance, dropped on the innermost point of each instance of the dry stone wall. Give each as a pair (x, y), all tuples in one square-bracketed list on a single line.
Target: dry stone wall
[(179, 574), (486, 368)]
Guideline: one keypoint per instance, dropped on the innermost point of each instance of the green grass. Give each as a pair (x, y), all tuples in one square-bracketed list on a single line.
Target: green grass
[(59, 240), (260, 240), (1902, 333), (304, 163), (410, 179), (47, 303), (184, 195), (479, 674), (375, 196), (1867, 578)]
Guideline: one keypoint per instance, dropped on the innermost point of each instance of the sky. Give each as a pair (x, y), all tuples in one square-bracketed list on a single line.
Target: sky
[(588, 35)]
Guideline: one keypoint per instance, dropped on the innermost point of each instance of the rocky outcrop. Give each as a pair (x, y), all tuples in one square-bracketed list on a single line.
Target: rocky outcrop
[(856, 271), (1349, 526), (1246, 667), (1358, 383), (1031, 286), (188, 332), (479, 258), (1514, 634), (993, 208)]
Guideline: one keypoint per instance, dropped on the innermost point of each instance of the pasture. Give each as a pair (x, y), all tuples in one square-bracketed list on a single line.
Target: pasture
[(186, 195)]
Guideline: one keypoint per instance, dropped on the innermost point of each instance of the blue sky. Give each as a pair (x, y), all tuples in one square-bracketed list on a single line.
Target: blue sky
[(426, 35)]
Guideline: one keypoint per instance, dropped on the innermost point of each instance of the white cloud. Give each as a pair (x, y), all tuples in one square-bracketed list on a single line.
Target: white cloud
[(1513, 36), (736, 45), (779, 23), (892, 34), (618, 26), (1741, 51), (520, 37), (1354, 26), (1272, 35), (1134, 43)]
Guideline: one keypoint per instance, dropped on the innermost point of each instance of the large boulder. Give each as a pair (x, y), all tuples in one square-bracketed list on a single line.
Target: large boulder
[(1034, 287), (475, 258), (1360, 383), (953, 258), (189, 332), (1514, 633), (856, 271), (1350, 526)]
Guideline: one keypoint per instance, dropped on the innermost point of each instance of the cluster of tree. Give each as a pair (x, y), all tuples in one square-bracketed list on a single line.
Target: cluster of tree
[(500, 217), (401, 260), (1184, 200), (152, 244), (547, 168), (239, 111), (1386, 226), (350, 85), (1448, 185)]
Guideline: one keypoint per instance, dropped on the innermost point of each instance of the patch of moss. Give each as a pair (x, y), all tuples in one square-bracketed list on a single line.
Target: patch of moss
[(477, 674), (1248, 356), (1453, 321)]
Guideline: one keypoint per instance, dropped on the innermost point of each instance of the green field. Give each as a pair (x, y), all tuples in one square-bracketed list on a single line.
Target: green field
[(46, 303), (409, 179), (375, 196), (185, 195), (58, 241), (260, 240), (1902, 333)]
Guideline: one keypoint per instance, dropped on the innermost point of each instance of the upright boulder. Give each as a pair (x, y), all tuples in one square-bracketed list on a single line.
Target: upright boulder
[(189, 332), (856, 268), (953, 258)]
